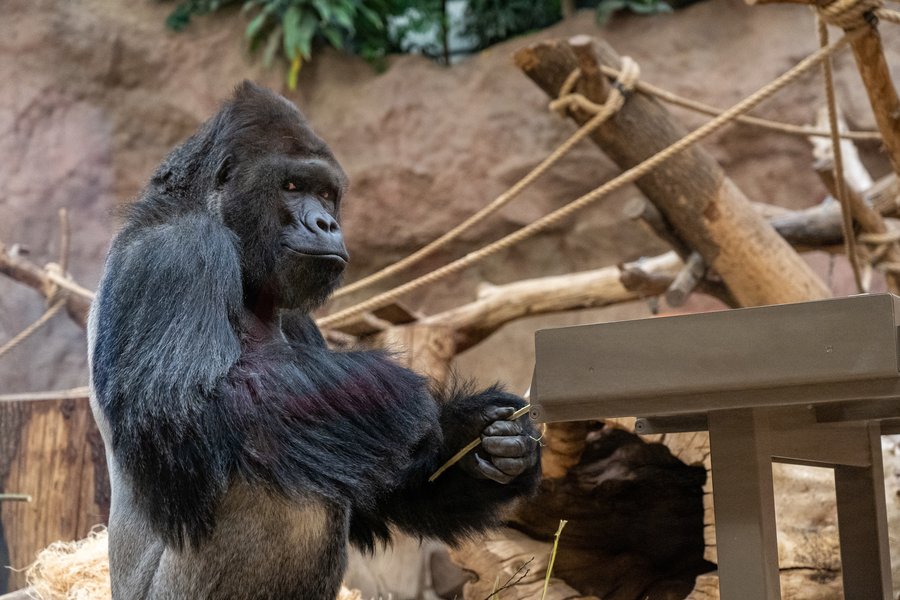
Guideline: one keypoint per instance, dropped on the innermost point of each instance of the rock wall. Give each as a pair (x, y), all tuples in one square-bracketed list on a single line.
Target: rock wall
[(97, 91)]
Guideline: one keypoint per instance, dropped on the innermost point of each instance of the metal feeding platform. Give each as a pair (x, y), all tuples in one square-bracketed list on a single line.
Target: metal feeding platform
[(814, 383)]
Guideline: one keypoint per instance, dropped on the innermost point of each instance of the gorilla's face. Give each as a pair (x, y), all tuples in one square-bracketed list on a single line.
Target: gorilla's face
[(281, 191), (310, 254)]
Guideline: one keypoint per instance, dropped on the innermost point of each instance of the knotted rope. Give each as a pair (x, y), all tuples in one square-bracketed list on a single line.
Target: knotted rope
[(625, 81), (849, 14), (879, 244), (623, 84)]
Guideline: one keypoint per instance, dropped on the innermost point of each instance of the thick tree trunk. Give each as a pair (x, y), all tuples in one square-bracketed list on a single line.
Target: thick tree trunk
[(705, 208)]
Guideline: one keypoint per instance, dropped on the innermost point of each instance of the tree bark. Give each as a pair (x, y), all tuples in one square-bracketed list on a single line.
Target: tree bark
[(425, 348), (705, 208), (52, 451), (498, 305)]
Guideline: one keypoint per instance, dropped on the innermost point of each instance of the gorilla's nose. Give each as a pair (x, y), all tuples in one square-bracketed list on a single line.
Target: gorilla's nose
[(321, 223)]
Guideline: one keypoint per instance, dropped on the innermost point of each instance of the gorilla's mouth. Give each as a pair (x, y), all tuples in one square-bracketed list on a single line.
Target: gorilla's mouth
[(342, 257)]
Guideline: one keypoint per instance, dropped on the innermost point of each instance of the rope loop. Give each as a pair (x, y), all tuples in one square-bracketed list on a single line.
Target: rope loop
[(622, 86), (850, 14)]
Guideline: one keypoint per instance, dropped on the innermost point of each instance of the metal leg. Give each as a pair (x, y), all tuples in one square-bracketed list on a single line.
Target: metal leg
[(862, 523), (744, 501)]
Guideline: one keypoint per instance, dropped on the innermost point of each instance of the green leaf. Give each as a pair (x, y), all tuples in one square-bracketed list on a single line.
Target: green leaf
[(324, 9), (255, 26), (344, 18), (334, 37), (371, 16), (305, 33), (291, 23), (294, 72), (272, 45)]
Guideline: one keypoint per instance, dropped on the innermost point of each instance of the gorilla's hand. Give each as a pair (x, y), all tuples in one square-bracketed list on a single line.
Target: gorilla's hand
[(508, 448)]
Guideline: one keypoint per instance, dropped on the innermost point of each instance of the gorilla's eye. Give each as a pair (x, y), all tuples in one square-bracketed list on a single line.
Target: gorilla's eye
[(325, 195), (289, 186)]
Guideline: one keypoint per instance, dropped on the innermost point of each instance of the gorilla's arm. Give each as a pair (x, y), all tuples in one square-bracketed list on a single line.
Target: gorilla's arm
[(192, 403), (164, 340), (461, 501), (456, 504)]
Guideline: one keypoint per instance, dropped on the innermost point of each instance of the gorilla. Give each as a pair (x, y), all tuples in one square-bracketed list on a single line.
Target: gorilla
[(244, 454)]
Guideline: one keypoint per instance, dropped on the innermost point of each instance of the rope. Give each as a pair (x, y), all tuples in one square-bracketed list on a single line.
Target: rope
[(624, 83), (25, 333), (57, 277), (848, 14), (586, 200), (886, 14), (70, 394), (840, 183), (880, 244), (706, 109)]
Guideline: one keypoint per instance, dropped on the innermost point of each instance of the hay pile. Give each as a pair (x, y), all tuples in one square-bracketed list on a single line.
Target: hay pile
[(72, 570), (80, 571)]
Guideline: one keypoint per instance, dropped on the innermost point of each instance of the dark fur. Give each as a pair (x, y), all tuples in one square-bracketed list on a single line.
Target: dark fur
[(206, 388)]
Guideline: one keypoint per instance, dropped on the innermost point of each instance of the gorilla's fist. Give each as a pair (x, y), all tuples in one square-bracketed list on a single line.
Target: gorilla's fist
[(508, 448)]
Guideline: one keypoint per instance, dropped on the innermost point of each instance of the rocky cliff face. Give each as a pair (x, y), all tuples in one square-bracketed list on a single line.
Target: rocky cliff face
[(96, 92)]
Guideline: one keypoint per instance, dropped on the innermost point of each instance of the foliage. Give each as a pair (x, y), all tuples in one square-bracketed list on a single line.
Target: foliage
[(291, 27), (605, 8), (375, 28), (492, 21)]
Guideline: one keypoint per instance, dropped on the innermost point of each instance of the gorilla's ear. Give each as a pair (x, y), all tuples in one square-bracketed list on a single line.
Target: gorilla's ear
[(223, 171)]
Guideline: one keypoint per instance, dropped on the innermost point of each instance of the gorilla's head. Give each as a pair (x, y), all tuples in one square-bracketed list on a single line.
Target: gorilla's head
[(259, 167)]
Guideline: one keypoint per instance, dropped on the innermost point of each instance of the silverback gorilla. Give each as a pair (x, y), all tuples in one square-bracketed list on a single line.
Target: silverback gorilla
[(244, 455)]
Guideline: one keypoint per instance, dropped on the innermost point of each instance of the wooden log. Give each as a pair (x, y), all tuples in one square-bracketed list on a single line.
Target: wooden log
[(563, 445), (639, 209), (497, 305), (52, 451), (876, 75), (705, 208), (869, 219), (820, 225), (686, 281), (24, 271), (425, 348)]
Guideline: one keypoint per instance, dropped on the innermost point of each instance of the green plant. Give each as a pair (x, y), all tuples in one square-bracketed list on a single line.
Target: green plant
[(605, 8), (375, 28), (492, 21), (291, 27)]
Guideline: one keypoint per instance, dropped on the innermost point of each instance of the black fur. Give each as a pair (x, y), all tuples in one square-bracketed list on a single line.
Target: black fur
[(207, 382)]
